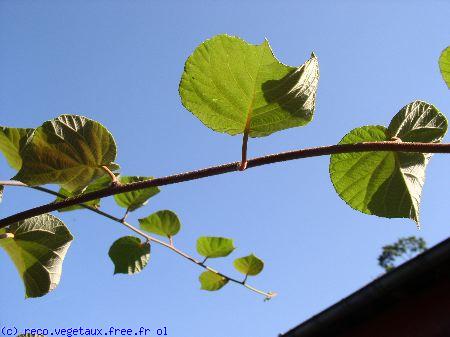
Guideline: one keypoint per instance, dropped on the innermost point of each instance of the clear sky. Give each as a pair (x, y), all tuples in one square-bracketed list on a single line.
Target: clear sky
[(120, 62)]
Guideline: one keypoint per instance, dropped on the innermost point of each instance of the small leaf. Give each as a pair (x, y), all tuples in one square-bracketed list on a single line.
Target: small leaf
[(444, 65), (99, 184), (212, 247), (388, 184), (12, 141), (249, 265), (69, 151), (236, 87), (211, 281), (129, 255), (164, 223), (135, 199), (38, 250)]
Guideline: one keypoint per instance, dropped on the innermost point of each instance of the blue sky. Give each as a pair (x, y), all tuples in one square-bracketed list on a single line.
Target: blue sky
[(120, 62)]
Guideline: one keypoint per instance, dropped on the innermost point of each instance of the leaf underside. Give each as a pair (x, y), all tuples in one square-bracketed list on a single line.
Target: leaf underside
[(12, 141), (249, 265), (164, 223), (69, 151), (444, 65), (236, 87), (129, 255), (99, 184), (388, 184), (38, 250), (211, 281), (134, 199), (213, 247)]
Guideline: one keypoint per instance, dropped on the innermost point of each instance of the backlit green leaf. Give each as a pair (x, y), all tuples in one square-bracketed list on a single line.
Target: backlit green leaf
[(444, 65), (249, 265), (212, 247), (135, 199), (69, 151), (129, 255), (235, 87), (164, 223), (12, 141), (38, 250), (211, 281), (99, 184), (388, 184)]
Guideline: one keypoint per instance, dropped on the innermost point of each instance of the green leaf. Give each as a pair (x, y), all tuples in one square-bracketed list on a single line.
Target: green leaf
[(236, 87), (129, 255), (212, 247), (444, 65), (38, 250), (164, 223), (388, 184), (211, 281), (99, 184), (12, 141), (69, 151), (249, 265), (135, 199)]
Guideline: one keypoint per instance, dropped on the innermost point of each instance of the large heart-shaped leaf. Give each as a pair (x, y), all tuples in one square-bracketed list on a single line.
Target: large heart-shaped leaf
[(388, 184), (211, 281), (69, 151), (135, 199), (129, 255), (165, 223), (249, 265), (444, 65), (37, 247), (236, 87), (212, 247), (12, 141)]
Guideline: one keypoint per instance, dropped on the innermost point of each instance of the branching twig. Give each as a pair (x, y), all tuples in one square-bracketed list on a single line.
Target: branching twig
[(230, 167), (147, 237)]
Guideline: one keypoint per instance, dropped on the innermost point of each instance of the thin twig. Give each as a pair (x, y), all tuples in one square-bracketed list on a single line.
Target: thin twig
[(230, 167), (147, 237)]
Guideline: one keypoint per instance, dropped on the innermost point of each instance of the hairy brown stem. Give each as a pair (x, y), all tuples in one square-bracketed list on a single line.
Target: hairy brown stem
[(148, 238), (230, 167), (244, 162)]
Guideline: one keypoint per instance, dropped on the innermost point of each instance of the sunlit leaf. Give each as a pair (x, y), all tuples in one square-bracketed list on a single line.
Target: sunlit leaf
[(249, 265), (388, 184), (164, 223), (211, 281), (38, 250), (444, 65), (235, 87), (129, 255), (211, 247), (135, 199), (12, 141), (69, 151)]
